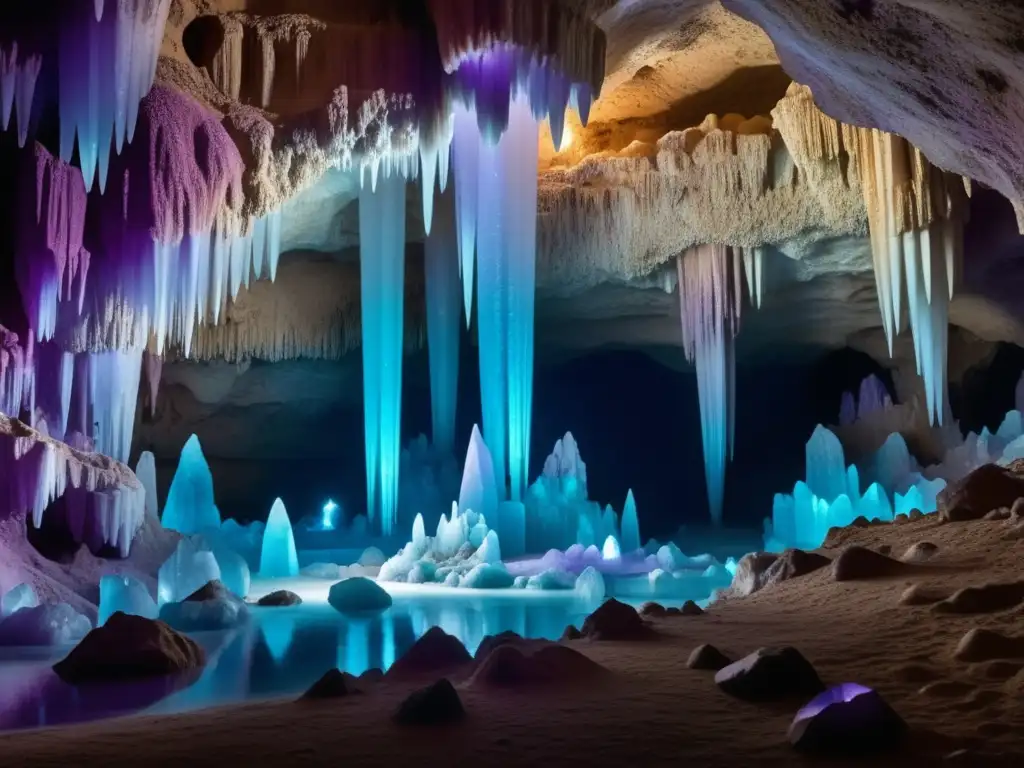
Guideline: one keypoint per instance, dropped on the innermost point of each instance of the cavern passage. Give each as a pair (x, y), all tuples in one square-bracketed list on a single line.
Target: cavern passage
[(470, 363)]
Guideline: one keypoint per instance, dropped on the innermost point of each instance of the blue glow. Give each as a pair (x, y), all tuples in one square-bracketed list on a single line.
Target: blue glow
[(190, 508), (444, 310), (278, 558), (611, 549), (505, 211), (329, 516), (382, 286)]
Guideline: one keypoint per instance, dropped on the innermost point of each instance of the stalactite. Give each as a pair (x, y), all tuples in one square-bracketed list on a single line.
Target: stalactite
[(444, 313), (382, 285), (51, 264), (19, 74), (916, 215), (466, 156), (17, 374), (154, 365), (108, 60), (710, 302), (103, 501)]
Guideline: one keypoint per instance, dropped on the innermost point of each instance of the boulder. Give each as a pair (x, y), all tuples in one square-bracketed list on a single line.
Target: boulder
[(855, 563), (537, 664), (848, 720), (653, 610), (707, 657), (436, 652), (690, 608), (437, 704), (986, 488), (130, 647), (769, 674), (615, 621), (758, 570), (988, 598)]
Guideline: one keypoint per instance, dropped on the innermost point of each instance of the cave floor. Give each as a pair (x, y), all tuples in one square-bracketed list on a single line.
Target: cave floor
[(653, 710)]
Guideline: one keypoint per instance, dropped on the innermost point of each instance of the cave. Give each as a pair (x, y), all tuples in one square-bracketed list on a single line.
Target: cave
[(519, 370)]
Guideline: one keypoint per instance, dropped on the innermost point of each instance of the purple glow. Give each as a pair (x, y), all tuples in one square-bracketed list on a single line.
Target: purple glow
[(839, 694)]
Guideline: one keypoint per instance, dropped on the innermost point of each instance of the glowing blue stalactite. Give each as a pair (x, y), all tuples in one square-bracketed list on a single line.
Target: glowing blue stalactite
[(382, 285), (520, 150), (444, 310), (466, 151), (491, 308), (504, 205)]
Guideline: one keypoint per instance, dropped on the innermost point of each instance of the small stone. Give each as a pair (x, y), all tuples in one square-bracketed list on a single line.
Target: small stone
[(437, 704), (281, 597), (920, 552), (918, 594), (988, 598), (985, 645), (1002, 513), (570, 633), (770, 674), (690, 608), (333, 685), (653, 610), (707, 657)]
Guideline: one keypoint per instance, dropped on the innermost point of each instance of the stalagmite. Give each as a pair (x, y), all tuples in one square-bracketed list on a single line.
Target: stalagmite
[(382, 285), (51, 263), (444, 313), (710, 296), (916, 215)]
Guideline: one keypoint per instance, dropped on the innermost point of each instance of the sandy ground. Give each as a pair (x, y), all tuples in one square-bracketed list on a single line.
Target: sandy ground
[(653, 711)]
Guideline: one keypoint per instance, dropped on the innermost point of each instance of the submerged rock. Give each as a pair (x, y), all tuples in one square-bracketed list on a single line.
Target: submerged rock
[(437, 704), (280, 598), (769, 674), (213, 607), (359, 596), (130, 647)]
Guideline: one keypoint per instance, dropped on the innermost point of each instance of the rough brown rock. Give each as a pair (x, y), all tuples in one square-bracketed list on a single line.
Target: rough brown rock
[(616, 621), (985, 645), (988, 598), (707, 657), (856, 562), (130, 647), (920, 552), (435, 653), (758, 570), (986, 488), (281, 597), (770, 674), (539, 664)]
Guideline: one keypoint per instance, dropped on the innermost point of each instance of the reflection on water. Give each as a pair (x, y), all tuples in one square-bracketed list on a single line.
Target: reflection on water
[(280, 653)]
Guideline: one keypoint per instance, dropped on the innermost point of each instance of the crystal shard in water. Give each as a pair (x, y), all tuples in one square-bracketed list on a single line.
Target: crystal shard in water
[(190, 568), (190, 507), (278, 559), (125, 594)]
